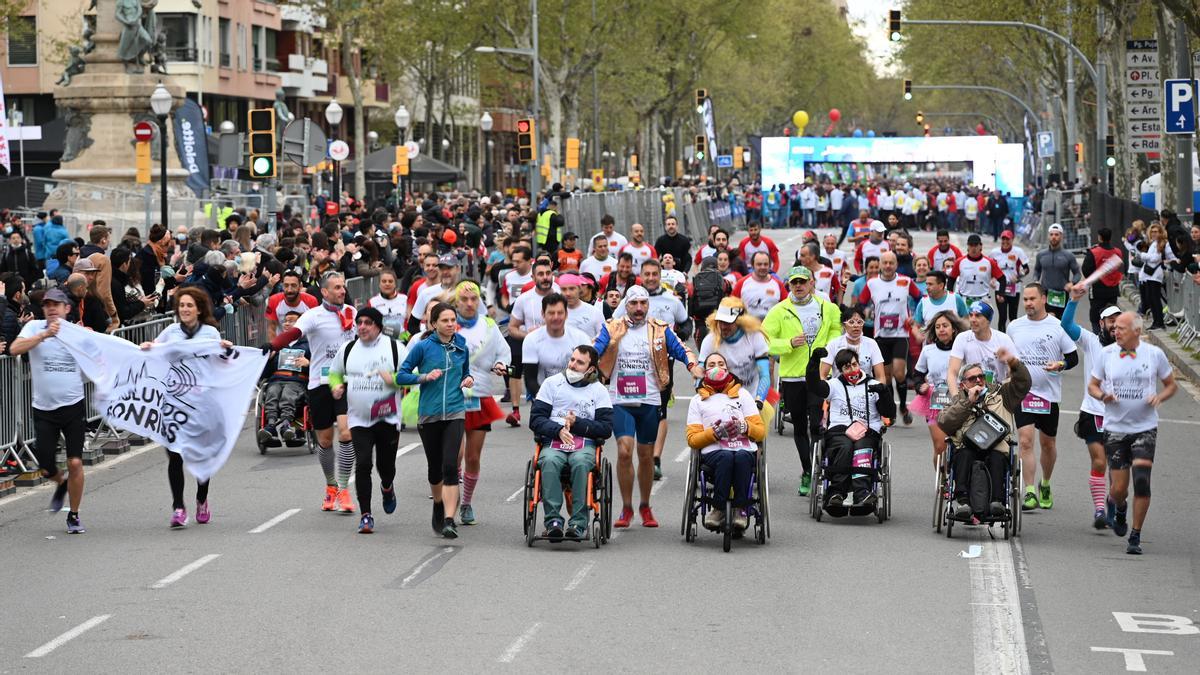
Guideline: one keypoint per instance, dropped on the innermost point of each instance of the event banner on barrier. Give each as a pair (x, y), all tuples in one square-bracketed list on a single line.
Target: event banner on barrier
[(190, 396)]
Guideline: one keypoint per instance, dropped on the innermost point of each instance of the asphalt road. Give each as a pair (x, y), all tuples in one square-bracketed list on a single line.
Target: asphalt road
[(274, 584)]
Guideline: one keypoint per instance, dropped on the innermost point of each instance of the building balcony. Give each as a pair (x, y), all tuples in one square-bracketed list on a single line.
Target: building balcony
[(300, 17)]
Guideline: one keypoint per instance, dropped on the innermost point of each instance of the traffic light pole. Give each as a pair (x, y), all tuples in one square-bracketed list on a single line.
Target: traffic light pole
[(979, 87)]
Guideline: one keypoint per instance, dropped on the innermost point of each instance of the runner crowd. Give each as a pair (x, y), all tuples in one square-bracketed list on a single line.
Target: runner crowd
[(490, 311)]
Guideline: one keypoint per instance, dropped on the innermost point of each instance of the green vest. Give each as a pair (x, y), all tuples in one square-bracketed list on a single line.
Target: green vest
[(543, 225)]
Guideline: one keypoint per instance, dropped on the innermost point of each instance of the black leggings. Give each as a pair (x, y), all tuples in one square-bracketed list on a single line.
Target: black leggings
[(1007, 306), (380, 436), (175, 476), (442, 441), (805, 419)]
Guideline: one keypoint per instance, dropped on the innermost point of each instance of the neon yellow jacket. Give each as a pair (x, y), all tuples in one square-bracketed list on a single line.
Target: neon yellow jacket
[(782, 324)]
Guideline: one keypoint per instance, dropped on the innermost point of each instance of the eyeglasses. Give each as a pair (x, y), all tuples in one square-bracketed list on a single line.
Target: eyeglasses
[(975, 378), (854, 322)]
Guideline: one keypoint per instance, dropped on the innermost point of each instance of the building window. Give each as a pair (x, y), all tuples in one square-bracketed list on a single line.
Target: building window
[(256, 47), (180, 30), (241, 48), (270, 48), (22, 41), (226, 57)]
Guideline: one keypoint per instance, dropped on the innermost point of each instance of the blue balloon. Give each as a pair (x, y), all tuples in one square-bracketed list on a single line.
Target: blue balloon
[(858, 133), (870, 133)]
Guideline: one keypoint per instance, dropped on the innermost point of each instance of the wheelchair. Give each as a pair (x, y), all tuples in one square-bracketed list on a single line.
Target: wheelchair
[(943, 505), (699, 490), (599, 498), (305, 435), (880, 473)]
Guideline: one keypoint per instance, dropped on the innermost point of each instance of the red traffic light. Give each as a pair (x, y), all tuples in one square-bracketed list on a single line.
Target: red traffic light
[(523, 126)]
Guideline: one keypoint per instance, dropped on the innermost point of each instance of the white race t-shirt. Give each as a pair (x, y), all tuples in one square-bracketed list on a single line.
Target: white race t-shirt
[(368, 399), (640, 254), (935, 363), (514, 282), (970, 349), (1090, 343), (326, 336), (1038, 344), (56, 379), (867, 350), (760, 296), (664, 306), (861, 406), (633, 379), (597, 268), (740, 356), (395, 311), (615, 241), (1133, 379), (974, 277), (587, 319), (551, 354), (528, 310), (1010, 263), (890, 302), (563, 397), (717, 408)]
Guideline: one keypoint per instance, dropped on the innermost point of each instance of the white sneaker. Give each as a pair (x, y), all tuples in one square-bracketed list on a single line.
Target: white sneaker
[(714, 519)]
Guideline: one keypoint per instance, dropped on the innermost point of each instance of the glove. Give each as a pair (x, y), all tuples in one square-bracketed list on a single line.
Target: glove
[(742, 426), (879, 388), (266, 349), (819, 353), (720, 432)]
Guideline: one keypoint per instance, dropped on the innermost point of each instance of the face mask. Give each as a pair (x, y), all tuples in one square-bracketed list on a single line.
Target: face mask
[(716, 378), (181, 238), (8, 229), (574, 376), (854, 376)]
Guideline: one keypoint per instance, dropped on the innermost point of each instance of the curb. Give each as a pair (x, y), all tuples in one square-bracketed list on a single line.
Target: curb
[(1176, 354)]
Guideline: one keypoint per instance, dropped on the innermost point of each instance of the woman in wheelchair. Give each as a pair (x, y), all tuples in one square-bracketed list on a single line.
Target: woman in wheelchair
[(571, 415), (858, 406), (724, 424), (976, 396)]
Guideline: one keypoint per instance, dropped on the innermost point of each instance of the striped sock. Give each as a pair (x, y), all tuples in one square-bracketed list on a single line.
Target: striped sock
[(345, 464), (325, 455), (468, 482), (1097, 487)]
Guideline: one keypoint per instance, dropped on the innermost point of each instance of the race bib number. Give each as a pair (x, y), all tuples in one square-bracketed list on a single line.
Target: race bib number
[(739, 443), (1035, 404), (577, 443), (889, 321), (393, 325), (1099, 419), (940, 398), (1057, 298), (473, 403), (989, 376), (1010, 288), (384, 407), (289, 358), (631, 384)]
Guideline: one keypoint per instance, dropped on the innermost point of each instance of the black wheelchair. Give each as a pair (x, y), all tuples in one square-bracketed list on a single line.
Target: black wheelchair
[(943, 505), (305, 435), (699, 493), (599, 497), (880, 473)]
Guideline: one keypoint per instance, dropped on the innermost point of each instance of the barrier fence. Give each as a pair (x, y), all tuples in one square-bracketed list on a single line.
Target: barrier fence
[(1183, 301), (695, 211)]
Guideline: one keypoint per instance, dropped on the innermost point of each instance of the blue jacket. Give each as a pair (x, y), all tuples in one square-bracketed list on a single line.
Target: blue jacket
[(444, 395), (53, 234)]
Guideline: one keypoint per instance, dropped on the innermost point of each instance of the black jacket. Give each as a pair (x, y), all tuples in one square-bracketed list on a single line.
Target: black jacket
[(546, 430), (22, 262), (127, 307), (149, 269), (680, 248)]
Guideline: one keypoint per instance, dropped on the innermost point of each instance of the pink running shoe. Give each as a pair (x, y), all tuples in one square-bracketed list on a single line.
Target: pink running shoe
[(202, 513), (179, 518)]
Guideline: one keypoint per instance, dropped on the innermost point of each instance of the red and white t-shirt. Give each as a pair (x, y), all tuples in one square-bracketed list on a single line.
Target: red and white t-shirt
[(615, 241), (640, 254), (890, 302), (837, 258), (826, 283), (1010, 262), (748, 248), (937, 257), (869, 249), (974, 277), (705, 251), (277, 306), (759, 296)]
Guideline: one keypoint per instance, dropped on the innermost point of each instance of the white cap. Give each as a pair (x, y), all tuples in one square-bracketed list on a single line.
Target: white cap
[(1111, 310), (1055, 227), (878, 227), (636, 293), (728, 314)]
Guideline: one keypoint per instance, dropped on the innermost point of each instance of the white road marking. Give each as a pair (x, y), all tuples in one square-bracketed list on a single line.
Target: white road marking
[(184, 571), (658, 485), (515, 648), (446, 550), (67, 636), (579, 576), (683, 454), (275, 521), (516, 494), (999, 635), (402, 450), (1134, 663)]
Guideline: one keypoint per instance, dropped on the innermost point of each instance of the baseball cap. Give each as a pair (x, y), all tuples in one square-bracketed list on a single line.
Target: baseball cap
[(800, 272), (636, 293), (84, 265), (878, 227), (55, 295), (1055, 227), (1007, 234), (980, 307), (569, 235), (447, 261), (728, 314), (1111, 310)]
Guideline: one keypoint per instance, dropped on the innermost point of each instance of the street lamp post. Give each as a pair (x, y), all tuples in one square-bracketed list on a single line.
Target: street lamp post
[(18, 119), (485, 123), (333, 115), (402, 118), (160, 103)]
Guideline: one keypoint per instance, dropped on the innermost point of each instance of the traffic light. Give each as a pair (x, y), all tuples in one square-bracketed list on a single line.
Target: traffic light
[(920, 117), (1079, 153), (908, 90), (894, 25), (572, 160), (1110, 150), (526, 140), (700, 147), (701, 95), (262, 143)]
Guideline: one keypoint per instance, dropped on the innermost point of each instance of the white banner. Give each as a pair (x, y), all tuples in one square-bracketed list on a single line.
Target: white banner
[(189, 396), (5, 159)]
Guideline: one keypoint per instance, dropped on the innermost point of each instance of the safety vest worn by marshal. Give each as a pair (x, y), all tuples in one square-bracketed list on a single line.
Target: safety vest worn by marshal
[(543, 225)]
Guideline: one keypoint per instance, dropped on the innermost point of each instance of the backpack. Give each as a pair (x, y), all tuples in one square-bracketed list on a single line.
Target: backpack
[(1101, 256), (979, 494), (392, 342), (707, 290)]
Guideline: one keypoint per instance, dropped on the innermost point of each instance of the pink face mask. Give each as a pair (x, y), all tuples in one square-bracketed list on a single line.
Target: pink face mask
[(854, 376)]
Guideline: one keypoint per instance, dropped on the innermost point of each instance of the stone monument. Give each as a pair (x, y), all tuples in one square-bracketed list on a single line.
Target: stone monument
[(105, 90)]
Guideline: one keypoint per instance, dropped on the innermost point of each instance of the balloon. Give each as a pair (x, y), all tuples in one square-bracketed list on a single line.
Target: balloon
[(449, 237), (835, 115), (800, 119), (870, 133), (857, 133), (980, 129)]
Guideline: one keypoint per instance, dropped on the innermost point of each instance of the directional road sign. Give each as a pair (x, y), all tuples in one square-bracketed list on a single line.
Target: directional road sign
[(725, 161), (1179, 98), (1045, 143)]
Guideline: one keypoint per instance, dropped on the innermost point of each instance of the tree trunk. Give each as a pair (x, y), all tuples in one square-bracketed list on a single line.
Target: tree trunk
[(354, 79), (1165, 22)]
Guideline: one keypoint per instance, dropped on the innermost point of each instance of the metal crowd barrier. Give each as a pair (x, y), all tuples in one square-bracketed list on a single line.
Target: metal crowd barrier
[(1183, 301)]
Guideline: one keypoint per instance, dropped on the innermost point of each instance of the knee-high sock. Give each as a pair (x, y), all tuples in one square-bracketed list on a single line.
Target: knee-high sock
[(1097, 488), (326, 457), (469, 480), (345, 463), (902, 393)]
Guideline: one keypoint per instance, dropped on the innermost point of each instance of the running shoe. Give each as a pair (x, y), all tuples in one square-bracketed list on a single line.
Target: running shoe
[(56, 500), (999, 510), (439, 515), (265, 436), (907, 416), (1099, 519), (1110, 513), (740, 520), (344, 504), (179, 518), (647, 516), (1031, 500), (1120, 527), (962, 512), (623, 519), (657, 471), (203, 515), (73, 525), (1135, 543), (330, 501), (366, 525), (714, 519), (389, 498), (554, 531), (1045, 499), (836, 505), (575, 532), (805, 485), (467, 514), (514, 418), (449, 529), (285, 431)]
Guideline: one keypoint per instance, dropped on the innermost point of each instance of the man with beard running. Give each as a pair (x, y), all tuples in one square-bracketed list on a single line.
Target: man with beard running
[(889, 295), (526, 316), (291, 299)]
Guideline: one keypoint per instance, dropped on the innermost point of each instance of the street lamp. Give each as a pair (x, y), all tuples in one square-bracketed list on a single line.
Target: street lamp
[(228, 127), (485, 123), (160, 102), (333, 115), (372, 138), (402, 118)]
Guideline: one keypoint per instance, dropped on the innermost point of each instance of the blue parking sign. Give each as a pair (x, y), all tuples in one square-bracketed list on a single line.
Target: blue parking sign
[(1180, 109)]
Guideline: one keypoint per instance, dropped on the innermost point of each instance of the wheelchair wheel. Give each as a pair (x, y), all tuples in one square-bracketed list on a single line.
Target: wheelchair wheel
[(814, 496), (887, 483), (780, 425), (606, 503), (596, 535), (764, 497), (939, 501), (727, 531), (687, 526), (530, 513)]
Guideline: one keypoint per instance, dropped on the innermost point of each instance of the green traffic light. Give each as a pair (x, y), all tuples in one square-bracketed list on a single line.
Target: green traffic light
[(262, 167)]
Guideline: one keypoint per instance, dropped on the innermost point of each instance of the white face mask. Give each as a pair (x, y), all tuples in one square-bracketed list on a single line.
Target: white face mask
[(574, 376)]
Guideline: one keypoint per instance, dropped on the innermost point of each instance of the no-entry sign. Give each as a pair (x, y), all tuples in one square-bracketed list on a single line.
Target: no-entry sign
[(143, 131)]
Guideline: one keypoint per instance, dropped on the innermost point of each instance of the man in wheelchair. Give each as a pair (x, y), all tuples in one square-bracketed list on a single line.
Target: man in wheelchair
[(858, 408), (571, 414), (287, 380), (977, 396)]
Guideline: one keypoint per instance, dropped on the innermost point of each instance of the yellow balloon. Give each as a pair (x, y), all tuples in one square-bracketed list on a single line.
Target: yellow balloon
[(800, 119)]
